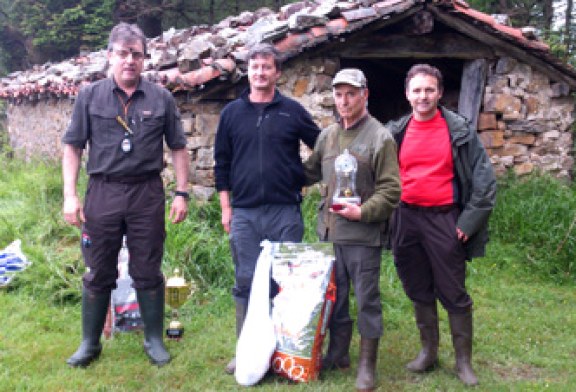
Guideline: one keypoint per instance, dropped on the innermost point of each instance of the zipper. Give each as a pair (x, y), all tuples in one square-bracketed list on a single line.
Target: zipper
[(260, 153)]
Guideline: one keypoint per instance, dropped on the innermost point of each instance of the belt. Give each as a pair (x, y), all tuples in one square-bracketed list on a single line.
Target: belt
[(442, 208), (125, 179)]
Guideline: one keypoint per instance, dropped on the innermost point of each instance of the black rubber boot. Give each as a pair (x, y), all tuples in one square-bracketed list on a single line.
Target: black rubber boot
[(151, 304), (338, 353), (94, 308), (461, 328), (240, 316), (366, 376), (427, 322)]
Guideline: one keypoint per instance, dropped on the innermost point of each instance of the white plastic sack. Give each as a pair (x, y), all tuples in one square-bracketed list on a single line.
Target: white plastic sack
[(12, 261), (257, 340), (125, 308)]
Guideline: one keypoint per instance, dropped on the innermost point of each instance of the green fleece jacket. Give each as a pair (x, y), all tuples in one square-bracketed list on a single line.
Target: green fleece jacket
[(377, 181)]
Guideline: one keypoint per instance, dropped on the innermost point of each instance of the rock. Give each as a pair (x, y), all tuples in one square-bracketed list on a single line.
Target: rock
[(522, 138), (523, 168), (487, 121), (203, 193), (492, 139)]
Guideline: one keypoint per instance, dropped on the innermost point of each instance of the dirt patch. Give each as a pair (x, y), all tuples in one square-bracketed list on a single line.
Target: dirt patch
[(519, 372)]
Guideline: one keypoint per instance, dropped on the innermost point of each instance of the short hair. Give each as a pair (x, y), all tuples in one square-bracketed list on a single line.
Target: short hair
[(124, 32), (265, 50), (425, 69)]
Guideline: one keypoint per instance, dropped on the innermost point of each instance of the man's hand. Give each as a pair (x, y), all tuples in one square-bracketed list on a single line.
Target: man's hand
[(179, 209), (226, 218), (461, 236), (349, 211), (73, 211)]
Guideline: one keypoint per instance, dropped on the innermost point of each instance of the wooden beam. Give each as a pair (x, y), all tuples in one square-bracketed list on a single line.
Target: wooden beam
[(335, 44), (472, 89), (503, 47), (442, 45)]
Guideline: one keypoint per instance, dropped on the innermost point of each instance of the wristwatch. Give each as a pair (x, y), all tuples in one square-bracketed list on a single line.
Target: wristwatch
[(185, 195)]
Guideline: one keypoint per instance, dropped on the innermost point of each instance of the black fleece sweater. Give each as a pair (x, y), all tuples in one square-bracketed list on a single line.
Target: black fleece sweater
[(257, 152)]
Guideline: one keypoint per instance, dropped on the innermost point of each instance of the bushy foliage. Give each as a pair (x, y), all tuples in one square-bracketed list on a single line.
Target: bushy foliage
[(199, 247), (538, 214), (30, 202)]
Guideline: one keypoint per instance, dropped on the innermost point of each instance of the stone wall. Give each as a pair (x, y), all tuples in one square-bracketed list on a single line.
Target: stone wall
[(35, 129), (526, 121)]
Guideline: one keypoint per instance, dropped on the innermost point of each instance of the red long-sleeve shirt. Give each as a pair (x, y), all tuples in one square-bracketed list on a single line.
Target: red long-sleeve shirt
[(426, 165)]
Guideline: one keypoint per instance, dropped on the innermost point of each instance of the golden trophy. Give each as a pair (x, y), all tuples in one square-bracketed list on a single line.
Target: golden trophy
[(177, 292)]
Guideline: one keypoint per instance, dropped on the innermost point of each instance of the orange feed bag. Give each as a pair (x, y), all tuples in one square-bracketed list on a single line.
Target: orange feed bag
[(301, 311)]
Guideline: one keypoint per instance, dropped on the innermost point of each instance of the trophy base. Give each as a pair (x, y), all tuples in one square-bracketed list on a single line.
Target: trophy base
[(338, 202), (174, 333)]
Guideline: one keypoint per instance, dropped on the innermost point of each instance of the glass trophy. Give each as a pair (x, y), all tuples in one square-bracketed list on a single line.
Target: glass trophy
[(345, 167)]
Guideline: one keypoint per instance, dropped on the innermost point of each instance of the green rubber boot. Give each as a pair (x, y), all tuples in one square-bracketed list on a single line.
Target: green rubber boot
[(151, 304), (94, 308)]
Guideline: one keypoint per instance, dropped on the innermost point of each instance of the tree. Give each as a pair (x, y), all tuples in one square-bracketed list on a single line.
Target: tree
[(568, 31), (37, 31)]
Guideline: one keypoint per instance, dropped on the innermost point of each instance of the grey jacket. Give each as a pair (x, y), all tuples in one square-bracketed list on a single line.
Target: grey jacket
[(474, 177)]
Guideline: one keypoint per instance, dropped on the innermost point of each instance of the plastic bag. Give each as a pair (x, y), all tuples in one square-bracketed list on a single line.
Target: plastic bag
[(302, 308), (125, 309), (12, 261), (257, 340)]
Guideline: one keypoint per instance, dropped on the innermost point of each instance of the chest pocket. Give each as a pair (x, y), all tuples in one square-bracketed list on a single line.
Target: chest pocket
[(152, 121), (105, 130), (150, 130)]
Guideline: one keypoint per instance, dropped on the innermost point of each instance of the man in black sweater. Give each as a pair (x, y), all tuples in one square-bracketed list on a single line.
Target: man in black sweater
[(258, 170)]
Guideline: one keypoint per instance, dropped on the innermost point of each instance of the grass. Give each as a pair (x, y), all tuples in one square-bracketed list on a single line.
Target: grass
[(523, 291)]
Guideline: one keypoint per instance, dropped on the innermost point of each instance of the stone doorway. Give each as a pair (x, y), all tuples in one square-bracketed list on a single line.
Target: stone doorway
[(387, 100)]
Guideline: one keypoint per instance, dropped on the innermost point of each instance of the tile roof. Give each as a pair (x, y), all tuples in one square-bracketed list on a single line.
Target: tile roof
[(196, 58)]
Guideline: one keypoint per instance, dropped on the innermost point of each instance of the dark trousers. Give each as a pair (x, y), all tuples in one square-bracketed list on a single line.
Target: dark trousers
[(359, 265), (429, 258), (251, 226), (113, 208)]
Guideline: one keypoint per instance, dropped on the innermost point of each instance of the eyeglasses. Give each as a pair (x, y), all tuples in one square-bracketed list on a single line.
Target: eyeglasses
[(123, 54)]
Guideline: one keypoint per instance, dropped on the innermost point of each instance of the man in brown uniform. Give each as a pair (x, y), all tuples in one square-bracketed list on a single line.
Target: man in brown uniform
[(124, 120)]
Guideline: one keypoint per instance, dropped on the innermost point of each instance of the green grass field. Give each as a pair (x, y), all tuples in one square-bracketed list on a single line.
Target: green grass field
[(523, 291)]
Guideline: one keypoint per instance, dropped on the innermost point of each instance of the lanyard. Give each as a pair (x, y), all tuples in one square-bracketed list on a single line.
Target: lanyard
[(121, 120)]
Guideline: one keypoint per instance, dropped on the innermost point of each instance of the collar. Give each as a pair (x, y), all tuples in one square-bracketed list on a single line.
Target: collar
[(357, 124), (140, 88), (245, 95)]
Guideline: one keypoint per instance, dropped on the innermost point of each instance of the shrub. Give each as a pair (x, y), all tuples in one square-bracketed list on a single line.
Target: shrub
[(538, 214)]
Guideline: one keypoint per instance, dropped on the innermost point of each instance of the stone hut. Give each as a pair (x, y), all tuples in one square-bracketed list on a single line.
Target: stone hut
[(504, 79)]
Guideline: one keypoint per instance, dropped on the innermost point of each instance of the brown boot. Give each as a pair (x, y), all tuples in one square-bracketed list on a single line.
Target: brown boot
[(337, 356), (240, 316), (427, 322), (461, 327), (366, 377)]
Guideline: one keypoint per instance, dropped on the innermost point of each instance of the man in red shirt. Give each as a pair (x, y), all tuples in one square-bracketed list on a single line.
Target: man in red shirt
[(448, 192)]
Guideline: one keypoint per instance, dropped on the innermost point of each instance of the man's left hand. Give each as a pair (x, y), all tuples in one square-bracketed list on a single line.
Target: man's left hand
[(179, 209), (461, 235)]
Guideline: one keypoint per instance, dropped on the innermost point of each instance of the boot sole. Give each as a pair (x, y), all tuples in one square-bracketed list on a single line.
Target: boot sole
[(427, 369), (82, 363)]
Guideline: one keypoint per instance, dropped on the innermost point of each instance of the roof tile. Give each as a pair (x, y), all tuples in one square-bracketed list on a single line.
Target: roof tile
[(189, 59)]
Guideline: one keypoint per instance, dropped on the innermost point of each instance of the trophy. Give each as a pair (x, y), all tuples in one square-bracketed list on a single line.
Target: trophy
[(177, 292), (345, 192)]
